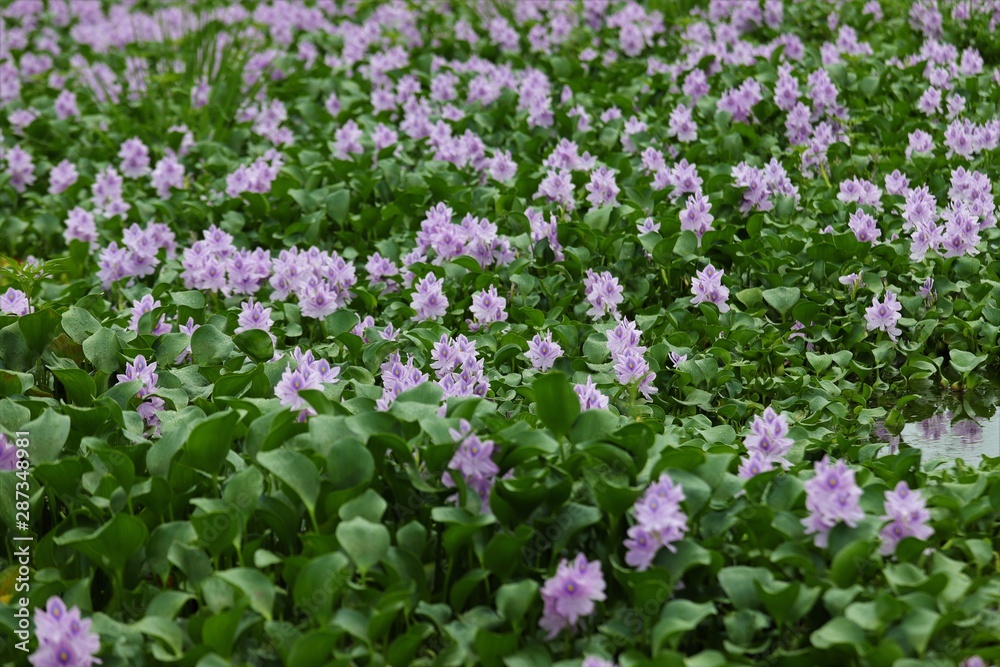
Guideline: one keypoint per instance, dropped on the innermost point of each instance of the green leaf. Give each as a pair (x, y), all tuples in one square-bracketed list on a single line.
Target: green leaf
[(209, 442), (111, 545), (514, 600), (838, 632), (964, 362), (349, 464), (338, 205), (782, 298), (677, 618), (556, 403), (598, 218), (255, 343), (39, 328), (79, 324), (296, 471), (257, 588), (48, 434), (738, 582), (365, 542), (210, 346), (318, 583), (102, 349), (79, 385)]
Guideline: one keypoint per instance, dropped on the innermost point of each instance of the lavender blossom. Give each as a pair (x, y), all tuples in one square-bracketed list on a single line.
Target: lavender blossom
[(884, 315), (65, 639), (707, 287), (570, 594), (831, 497), (542, 352), (907, 514), (660, 522)]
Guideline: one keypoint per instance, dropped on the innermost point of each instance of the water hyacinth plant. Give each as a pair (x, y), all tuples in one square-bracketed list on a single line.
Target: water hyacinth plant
[(591, 332)]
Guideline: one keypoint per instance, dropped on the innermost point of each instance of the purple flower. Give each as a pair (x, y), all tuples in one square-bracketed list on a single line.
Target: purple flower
[(677, 359), (884, 315), (852, 279), (597, 662), (603, 293), (696, 217), (135, 158), (65, 105), (907, 514), (168, 173), (590, 396), (570, 594), (707, 287), (487, 307), (293, 382), (428, 299), (80, 226), (660, 522), (14, 302), (146, 305), (64, 637), (864, 227), (397, 378), (542, 352), (602, 187), (138, 369), (831, 497), (754, 464), (21, 168), (62, 176), (8, 454), (767, 443), (474, 461)]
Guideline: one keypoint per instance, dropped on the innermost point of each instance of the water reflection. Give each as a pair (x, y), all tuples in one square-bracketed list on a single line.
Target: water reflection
[(948, 427)]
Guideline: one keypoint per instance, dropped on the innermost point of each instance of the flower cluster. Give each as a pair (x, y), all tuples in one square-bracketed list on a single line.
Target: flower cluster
[(603, 293), (884, 315), (707, 287), (474, 462), (64, 637), (543, 352), (767, 444), (660, 522), (459, 370), (831, 497), (397, 377), (631, 368), (907, 514), (570, 594), (308, 373), (139, 369)]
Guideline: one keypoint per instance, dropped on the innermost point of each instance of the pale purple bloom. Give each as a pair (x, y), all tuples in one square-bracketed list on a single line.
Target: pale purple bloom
[(852, 279), (696, 216), (428, 299), (293, 382), (502, 167), (602, 187), (21, 168), (570, 594), (927, 288), (8, 454), (603, 293), (474, 462), (768, 442), (831, 497), (590, 396), (660, 522), (677, 359), (648, 226), (65, 105), (597, 662), (319, 299), (135, 158), (62, 176), (143, 306), (188, 329), (884, 315), (707, 287), (864, 227), (168, 173), (65, 639), (542, 352), (14, 302), (397, 378), (754, 464), (907, 514), (487, 307)]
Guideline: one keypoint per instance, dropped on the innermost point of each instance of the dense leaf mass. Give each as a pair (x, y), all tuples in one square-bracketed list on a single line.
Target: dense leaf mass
[(498, 332)]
